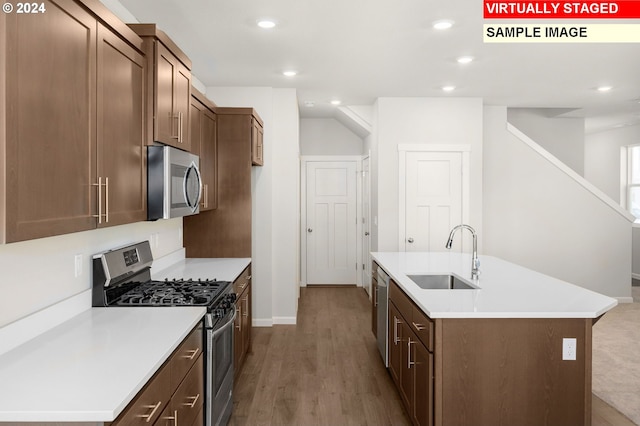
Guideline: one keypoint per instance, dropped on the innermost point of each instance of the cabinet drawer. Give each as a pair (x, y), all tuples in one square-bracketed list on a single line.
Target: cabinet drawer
[(185, 356), (150, 402), (400, 299), (241, 283), (423, 327), (189, 398)]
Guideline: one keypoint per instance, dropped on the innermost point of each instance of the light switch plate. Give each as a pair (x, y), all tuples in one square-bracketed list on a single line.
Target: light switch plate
[(569, 349)]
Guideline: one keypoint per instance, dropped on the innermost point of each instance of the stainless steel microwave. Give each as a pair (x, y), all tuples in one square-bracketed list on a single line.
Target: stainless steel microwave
[(174, 186)]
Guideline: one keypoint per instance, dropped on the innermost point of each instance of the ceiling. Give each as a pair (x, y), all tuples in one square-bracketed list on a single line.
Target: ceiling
[(359, 50)]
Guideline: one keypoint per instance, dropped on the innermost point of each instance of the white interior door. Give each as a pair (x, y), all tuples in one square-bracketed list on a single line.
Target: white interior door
[(366, 226), (331, 222), (433, 203)]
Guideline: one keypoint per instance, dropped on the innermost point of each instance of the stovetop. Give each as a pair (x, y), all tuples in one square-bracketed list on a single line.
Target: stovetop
[(173, 293)]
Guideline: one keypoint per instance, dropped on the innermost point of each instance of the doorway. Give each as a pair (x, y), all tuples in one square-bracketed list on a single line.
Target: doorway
[(329, 251), (433, 195)]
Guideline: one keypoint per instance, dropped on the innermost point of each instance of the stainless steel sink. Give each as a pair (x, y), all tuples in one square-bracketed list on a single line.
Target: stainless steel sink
[(440, 282)]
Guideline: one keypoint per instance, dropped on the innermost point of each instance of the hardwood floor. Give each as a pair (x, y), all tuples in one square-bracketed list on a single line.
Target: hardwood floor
[(326, 370)]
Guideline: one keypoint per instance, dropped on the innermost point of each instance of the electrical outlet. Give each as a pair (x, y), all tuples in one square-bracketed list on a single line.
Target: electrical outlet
[(78, 265), (569, 349)]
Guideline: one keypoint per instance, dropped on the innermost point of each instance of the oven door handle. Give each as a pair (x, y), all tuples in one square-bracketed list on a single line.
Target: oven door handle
[(223, 327)]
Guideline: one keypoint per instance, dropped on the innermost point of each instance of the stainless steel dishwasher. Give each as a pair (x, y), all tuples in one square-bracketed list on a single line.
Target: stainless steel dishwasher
[(383, 300)]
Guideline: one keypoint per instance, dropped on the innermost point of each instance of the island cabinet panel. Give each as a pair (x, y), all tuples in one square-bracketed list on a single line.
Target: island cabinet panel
[(411, 363), (497, 371), (72, 104)]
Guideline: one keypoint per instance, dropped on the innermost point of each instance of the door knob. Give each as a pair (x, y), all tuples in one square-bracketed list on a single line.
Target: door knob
[(366, 234), (309, 230), (410, 240)]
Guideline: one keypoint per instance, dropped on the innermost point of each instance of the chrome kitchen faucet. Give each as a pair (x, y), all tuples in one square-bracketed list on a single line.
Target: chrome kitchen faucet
[(475, 262)]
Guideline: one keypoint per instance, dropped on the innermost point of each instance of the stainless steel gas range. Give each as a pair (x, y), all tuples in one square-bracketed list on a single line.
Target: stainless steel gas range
[(122, 277)]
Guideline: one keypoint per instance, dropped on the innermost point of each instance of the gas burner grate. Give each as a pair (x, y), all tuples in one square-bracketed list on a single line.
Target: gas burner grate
[(173, 293)]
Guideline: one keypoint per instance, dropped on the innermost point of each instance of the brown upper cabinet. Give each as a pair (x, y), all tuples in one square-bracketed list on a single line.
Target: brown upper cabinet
[(257, 136), (169, 88), (204, 143), (72, 127)]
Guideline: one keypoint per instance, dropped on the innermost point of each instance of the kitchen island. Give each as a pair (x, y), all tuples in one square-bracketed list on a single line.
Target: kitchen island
[(513, 350)]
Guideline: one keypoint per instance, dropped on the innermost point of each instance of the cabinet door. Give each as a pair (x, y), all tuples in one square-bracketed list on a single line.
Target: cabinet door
[(50, 121), (195, 126), (237, 337), (209, 160), (406, 375), (182, 104), (257, 136), (422, 412), (165, 123), (246, 322), (121, 149), (395, 343)]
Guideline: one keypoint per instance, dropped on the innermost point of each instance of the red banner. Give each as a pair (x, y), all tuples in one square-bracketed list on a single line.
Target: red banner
[(621, 9)]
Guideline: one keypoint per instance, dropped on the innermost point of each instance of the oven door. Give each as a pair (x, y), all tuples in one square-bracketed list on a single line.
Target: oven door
[(219, 371)]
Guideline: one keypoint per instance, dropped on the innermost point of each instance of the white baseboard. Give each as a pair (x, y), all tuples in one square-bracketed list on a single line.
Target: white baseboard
[(624, 299), (270, 322), (261, 322), (285, 320)]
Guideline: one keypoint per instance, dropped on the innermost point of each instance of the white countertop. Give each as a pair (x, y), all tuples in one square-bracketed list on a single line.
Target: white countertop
[(222, 269), (506, 290), (91, 366)]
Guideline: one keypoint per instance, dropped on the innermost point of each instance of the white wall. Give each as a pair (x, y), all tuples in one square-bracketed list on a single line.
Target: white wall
[(562, 137), (602, 168), (539, 217), (602, 157), (40, 273), (421, 121), (327, 136), (274, 248)]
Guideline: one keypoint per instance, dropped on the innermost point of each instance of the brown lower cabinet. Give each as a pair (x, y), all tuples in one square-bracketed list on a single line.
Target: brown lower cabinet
[(242, 334), (374, 298), (488, 371), (175, 394)]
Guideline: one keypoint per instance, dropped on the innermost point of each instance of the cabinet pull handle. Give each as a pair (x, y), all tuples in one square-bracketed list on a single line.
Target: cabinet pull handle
[(181, 126), (147, 417), (419, 327), (99, 185), (246, 307), (174, 418), (192, 354), (396, 321), (193, 402), (177, 136), (239, 326), (106, 200), (375, 297), (410, 363)]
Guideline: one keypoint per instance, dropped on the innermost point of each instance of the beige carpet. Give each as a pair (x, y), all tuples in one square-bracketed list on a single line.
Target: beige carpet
[(616, 358)]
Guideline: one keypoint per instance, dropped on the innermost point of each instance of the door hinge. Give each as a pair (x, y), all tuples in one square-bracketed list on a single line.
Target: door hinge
[(356, 266), (363, 266)]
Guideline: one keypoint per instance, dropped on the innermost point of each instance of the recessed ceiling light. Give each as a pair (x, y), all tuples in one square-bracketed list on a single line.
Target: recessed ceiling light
[(266, 23), (448, 88), (309, 104), (290, 73), (604, 88), (336, 102), (465, 59), (443, 24)]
